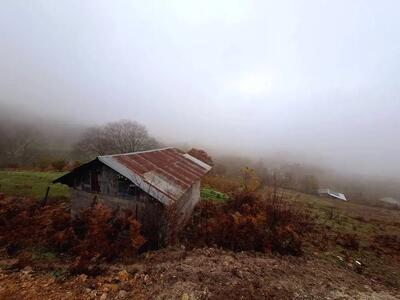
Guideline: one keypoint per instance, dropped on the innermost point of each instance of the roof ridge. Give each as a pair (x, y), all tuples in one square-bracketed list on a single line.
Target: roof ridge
[(137, 152)]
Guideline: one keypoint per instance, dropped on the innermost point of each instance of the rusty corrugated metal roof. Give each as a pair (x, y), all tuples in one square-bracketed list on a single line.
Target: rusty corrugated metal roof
[(166, 174)]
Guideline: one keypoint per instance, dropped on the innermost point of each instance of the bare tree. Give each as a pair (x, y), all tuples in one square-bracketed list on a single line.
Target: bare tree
[(93, 142), (115, 137), (18, 144)]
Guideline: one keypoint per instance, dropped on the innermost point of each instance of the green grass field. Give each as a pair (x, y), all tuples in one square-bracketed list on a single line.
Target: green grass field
[(34, 184), (210, 194), (31, 184)]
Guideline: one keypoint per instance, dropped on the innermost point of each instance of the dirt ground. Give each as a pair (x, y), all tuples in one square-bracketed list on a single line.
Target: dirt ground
[(207, 273), (343, 234)]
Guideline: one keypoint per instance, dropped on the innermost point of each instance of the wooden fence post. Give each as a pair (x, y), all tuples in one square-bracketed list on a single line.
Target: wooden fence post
[(44, 201)]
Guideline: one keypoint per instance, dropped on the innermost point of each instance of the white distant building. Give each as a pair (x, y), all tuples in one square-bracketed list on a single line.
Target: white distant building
[(330, 193), (391, 201)]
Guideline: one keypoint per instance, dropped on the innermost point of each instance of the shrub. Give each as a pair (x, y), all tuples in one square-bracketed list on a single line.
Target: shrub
[(250, 180), (97, 233), (59, 164), (249, 221), (100, 232), (221, 183), (43, 163), (348, 241), (387, 243)]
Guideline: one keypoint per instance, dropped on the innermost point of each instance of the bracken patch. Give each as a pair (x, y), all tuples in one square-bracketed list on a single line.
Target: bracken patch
[(249, 221), (97, 233)]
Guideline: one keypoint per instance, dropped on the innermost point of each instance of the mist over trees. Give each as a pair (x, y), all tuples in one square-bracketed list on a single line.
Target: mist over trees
[(28, 142), (116, 137), (19, 144), (40, 144)]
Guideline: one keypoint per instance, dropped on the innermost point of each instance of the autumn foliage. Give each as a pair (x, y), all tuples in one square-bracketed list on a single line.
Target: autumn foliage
[(221, 183), (201, 155), (248, 180), (249, 221), (98, 232)]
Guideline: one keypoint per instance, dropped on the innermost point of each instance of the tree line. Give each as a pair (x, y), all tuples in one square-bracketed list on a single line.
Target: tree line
[(25, 145)]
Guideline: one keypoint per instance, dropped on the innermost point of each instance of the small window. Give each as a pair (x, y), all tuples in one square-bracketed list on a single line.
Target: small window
[(127, 188), (123, 186), (94, 181)]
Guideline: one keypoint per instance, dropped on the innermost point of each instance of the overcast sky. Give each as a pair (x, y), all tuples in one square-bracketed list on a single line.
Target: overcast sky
[(317, 79)]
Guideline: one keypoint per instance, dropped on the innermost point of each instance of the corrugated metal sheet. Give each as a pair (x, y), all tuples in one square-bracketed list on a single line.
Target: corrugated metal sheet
[(390, 200), (166, 174), (332, 194)]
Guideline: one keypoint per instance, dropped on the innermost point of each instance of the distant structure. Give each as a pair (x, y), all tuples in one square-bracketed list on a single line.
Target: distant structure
[(391, 202), (330, 193), (143, 182)]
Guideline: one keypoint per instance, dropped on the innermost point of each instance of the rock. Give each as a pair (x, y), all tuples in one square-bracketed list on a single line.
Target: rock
[(123, 276), (104, 296), (109, 287), (82, 278), (93, 294), (238, 273), (122, 294), (146, 279), (50, 282), (134, 269), (185, 296), (26, 270)]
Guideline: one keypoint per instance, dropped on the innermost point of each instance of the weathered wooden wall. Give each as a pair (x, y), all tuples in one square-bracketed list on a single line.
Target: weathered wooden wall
[(149, 213), (112, 189), (147, 210), (188, 201)]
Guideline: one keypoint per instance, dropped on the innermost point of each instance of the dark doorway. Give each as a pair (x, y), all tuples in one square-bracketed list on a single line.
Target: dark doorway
[(94, 181)]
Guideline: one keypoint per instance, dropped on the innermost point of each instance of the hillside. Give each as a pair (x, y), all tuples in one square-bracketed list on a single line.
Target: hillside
[(199, 274), (352, 252)]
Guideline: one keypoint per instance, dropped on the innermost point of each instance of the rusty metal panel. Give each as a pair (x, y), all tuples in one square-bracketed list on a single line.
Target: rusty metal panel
[(166, 174)]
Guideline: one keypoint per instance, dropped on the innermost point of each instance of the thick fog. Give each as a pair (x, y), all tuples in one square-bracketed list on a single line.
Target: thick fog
[(315, 81)]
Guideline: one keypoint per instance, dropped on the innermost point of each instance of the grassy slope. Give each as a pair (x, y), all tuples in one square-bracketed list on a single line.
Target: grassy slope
[(34, 184), (363, 222), (347, 216), (211, 194), (31, 184), (334, 217)]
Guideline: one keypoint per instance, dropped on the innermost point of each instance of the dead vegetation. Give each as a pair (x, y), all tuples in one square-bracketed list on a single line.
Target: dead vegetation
[(249, 221), (386, 243), (221, 183), (206, 273), (97, 234), (228, 249), (348, 241)]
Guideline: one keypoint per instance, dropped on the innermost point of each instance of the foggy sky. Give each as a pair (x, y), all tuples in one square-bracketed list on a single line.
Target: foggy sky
[(316, 80)]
